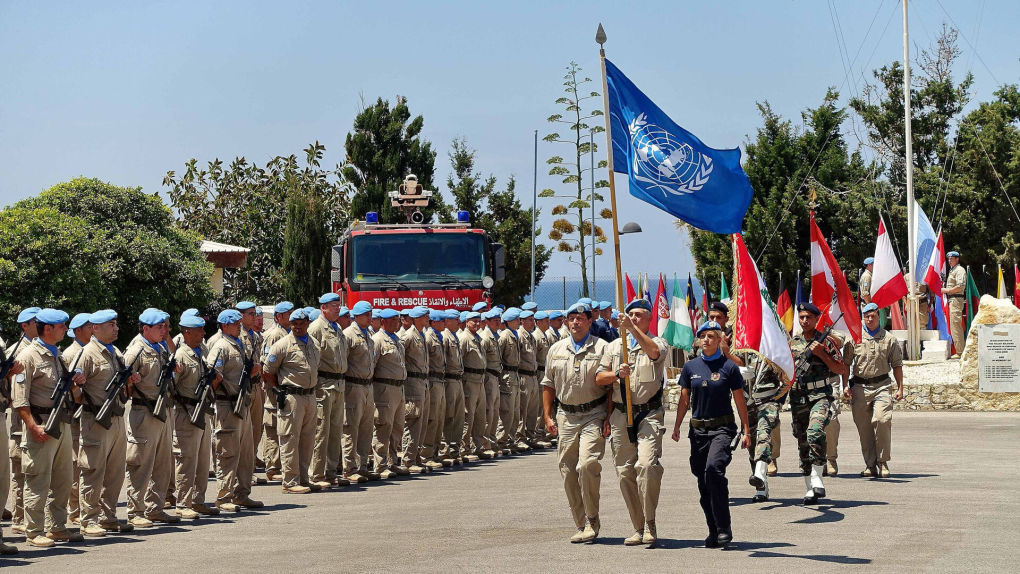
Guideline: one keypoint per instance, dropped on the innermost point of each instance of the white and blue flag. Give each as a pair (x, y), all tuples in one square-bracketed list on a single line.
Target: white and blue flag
[(670, 167)]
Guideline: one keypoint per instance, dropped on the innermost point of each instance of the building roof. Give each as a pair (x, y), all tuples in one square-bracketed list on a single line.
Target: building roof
[(214, 247)]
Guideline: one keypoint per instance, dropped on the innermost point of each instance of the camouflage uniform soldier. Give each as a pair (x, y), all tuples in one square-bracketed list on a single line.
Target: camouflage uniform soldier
[(762, 386), (812, 395), (270, 437), (329, 395), (437, 391), (956, 282)]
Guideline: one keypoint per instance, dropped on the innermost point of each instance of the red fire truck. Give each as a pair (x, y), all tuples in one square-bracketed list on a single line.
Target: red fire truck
[(441, 266)]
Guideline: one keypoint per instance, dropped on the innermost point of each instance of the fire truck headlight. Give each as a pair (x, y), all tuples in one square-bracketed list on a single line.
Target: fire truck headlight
[(487, 282)]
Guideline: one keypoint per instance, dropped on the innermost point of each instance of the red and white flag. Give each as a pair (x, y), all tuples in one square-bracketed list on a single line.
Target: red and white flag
[(829, 289), (758, 326), (887, 284), (658, 327)]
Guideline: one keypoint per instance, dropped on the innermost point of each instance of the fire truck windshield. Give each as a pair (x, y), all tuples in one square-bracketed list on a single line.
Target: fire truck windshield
[(418, 257)]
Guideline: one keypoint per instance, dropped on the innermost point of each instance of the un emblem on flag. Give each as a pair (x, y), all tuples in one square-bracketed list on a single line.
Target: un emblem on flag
[(664, 162)]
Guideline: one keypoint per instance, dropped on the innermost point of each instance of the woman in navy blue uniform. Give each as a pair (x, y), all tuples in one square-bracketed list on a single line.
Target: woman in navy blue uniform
[(707, 382)]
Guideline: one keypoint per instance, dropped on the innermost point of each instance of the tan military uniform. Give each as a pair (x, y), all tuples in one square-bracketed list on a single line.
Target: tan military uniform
[(102, 453), (437, 397), (493, 372), (296, 366), (253, 341), (329, 430), (542, 344), (5, 461), (191, 445), (47, 465), (472, 354), (69, 355), (359, 401), (529, 395), (571, 374), (637, 464), (509, 387), (271, 438), (388, 378), (864, 286), (552, 335), (957, 277), (416, 395), (564, 332), (453, 426), (872, 393), (17, 489), (149, 440), (233, 438)]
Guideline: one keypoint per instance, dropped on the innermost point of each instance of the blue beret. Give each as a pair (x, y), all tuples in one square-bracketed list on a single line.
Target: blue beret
[(529, 306), (709, 326), (953, 254), (527, 313), (463, 316), (191, 311), (510, 314), (228, 316), (344, 310), (103, 316), (555, 314), (51, 316), (810, 308), (388, 314), (638, 304), (577, 308), (586, 300), (869, 307), (192, 321), (615, 315), (452, 314), (244, 305), (472, 315), (605, 305), (360, 308), (583, 304), (501, 307), (328, 298), (27, 315), (375, 313), (153, 316), (435, 315), (315, 313), (309, 310), (480, 306), (405, 312), (418, 312), (869, 260), (283, 307), (541, 315), (299, 315), (79, 320)]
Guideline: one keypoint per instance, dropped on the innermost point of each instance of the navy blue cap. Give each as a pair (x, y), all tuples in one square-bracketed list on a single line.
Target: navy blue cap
[(51, 316), (192, 321), (360, 308), (153, 316), (810, 308), (27, 315), (328, 298), (228, 316), (719, 306), (639, 304), (79, 320), (103, 316), (283, 307)]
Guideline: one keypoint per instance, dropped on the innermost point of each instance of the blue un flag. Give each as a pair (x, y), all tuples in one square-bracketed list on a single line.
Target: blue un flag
[(669, 167)]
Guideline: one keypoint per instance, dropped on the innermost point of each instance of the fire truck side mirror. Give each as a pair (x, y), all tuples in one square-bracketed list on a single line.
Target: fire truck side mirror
[(338, 259), (499, 261)]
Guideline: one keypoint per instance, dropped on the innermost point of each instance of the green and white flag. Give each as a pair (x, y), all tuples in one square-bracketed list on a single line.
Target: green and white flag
[(724, 292), (679, 332)]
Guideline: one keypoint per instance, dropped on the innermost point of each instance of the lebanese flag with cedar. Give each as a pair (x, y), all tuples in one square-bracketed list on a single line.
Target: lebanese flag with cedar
[(829, 289), (887, 283), (757, 326)]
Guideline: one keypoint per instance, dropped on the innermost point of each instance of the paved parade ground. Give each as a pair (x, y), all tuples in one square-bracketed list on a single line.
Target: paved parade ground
[(952, 505)]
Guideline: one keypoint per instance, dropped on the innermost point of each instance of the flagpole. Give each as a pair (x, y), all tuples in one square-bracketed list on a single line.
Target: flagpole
[(913, 329), (600, 39), (534, 210)]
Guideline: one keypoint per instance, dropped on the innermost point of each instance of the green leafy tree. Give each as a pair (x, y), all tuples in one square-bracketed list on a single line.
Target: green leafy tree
[(85, 244), (385, 146), (500, 214), (574, 224), (307, 249), (246, 205)]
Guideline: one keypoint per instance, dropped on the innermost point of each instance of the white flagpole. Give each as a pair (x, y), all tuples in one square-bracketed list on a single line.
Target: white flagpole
[(913, 329)]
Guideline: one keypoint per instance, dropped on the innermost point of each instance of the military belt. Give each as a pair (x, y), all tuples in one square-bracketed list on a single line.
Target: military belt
[(507, 367), (652, 404), (299, 391), (581, 408), (955, 297), (527, 373), (869, 380), (41, 414), (139, 401), (185, 401), (331, 376), (416, 375), (391, 382), (474, 371), (437, 374), (358, 381), (493, 372), (714, 423), (812, 385)]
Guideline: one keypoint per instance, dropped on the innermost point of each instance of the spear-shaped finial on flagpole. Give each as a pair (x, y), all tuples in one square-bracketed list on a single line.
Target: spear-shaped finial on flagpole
[(600, 36)]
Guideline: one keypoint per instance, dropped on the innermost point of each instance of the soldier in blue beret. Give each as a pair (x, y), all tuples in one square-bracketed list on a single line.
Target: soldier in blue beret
[(359, 396), (271, 438), (329, 430)]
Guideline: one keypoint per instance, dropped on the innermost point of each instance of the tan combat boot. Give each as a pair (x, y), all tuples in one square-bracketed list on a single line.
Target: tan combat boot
[(592, 530), (650, 536), (634, 539), (773, 468), (40, 541), (205, 509), (93, 531), (187, 514)]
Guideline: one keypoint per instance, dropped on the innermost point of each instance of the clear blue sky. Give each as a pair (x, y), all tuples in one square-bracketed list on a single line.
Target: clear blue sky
[(126, 91)]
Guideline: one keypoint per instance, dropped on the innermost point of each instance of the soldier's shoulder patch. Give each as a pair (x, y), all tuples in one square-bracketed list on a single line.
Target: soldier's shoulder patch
[(19, 378), (219, 363), (271, 358)]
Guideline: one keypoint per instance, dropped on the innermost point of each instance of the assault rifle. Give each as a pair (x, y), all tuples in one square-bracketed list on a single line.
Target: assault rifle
[(6, 362), (165, 386), (115, 389), (804, 360), (204, 392), (63, 399), (244, 386)]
